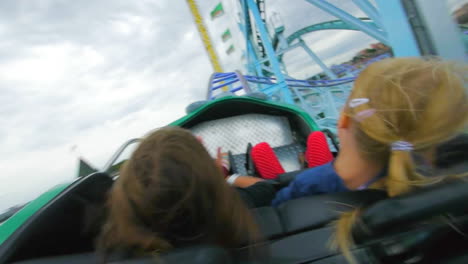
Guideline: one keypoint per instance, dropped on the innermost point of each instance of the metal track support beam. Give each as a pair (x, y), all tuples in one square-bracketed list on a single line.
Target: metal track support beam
[(286, 94), (351, 20), (398, 28), (370, 11)]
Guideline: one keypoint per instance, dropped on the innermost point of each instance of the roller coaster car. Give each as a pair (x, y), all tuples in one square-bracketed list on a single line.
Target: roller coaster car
[(426, 226)]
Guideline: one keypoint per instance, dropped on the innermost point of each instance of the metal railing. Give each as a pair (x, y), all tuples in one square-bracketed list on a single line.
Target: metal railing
[(117, 154)]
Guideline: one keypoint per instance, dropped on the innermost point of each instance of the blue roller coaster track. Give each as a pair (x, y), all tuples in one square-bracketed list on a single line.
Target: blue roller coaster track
[(400, 24)]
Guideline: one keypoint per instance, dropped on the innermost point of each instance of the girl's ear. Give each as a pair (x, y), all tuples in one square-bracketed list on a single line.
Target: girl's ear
[(344, 121)]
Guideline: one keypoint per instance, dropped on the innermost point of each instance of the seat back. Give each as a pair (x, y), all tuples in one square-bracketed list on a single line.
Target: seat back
[(195, 255), (427, 225), (311, 212), (298, 230), (60, 227), (382, 217)]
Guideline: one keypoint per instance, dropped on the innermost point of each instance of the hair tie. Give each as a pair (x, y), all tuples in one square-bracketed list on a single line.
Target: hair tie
[(402, 146)]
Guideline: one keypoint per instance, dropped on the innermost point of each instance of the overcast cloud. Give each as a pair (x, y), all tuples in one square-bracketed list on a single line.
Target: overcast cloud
[(93, 74)]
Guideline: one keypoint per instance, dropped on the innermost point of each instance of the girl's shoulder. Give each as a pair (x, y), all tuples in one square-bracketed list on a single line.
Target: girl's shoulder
[(312, 174)]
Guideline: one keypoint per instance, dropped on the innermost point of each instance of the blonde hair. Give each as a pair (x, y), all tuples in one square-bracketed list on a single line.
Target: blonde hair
[(420, 101)]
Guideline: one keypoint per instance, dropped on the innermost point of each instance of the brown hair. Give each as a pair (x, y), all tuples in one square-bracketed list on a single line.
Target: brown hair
[(170, 193), (420, 101)]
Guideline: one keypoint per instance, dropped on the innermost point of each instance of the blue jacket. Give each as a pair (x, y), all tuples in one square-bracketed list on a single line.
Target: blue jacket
[(322, 179)]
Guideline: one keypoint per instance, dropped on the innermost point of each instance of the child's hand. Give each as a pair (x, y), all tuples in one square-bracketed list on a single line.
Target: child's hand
[(219, 157), (222, 161)]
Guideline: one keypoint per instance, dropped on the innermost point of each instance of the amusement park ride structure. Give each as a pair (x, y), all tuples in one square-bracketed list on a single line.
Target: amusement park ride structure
[(407, 26)]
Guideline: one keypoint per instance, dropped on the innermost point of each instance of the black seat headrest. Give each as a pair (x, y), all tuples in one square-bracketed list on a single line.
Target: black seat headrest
[(453, 152), (318, 210), (195, 255), (385, 216)]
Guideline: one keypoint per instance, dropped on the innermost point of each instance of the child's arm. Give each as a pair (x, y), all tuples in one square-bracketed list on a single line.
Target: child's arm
[(297, 188), (243, 181), (322, 179)]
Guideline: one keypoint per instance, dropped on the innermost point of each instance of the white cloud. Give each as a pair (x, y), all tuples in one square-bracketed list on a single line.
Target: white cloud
[(332, 46), (96, 73), (91, 77)]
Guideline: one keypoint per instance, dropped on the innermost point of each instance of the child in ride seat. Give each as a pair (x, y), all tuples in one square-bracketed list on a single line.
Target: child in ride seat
[(171, 194), (398, 108)]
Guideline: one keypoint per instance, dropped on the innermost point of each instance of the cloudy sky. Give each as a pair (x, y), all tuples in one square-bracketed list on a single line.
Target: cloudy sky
[(92, 74)]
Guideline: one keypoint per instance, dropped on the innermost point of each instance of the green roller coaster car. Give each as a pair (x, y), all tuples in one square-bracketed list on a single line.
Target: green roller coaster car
[(426, 226)]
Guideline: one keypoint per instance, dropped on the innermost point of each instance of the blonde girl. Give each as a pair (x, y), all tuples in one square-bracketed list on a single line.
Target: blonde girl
[(398, 108)]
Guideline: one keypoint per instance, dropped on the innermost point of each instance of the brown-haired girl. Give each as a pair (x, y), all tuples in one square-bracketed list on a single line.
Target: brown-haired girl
[(171, 194)]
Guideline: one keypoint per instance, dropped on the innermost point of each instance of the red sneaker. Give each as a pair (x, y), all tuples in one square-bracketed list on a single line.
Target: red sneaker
[(317, 152), (266, 162)]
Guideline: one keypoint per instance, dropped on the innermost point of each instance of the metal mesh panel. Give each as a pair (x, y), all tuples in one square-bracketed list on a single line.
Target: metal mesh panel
[(234, 133), (289, 156)]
